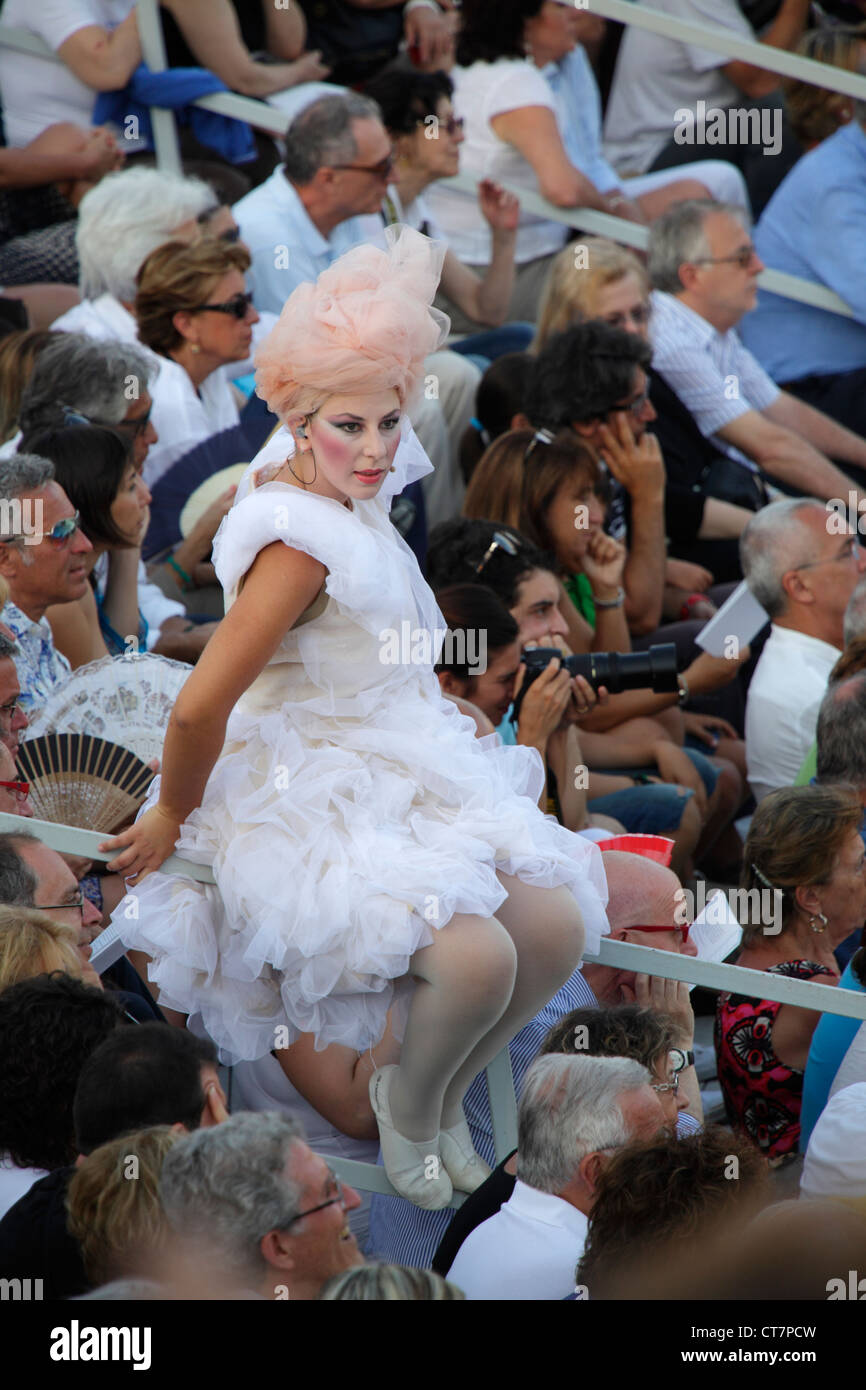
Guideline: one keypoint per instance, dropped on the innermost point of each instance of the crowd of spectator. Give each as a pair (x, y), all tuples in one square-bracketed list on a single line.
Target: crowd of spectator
[(620, 440)]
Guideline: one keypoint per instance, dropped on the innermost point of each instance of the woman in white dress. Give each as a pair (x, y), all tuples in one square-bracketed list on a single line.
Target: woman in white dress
[(368, 850)]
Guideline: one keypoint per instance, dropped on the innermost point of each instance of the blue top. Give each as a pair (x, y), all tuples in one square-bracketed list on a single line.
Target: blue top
[(830, 1041), (578, 104), (814, 226)]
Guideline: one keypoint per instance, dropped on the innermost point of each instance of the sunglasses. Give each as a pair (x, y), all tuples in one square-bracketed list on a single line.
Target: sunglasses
[(64, 529), (238, 306), (453, 125), (133, 427), (743, 258), (675, 926), (21, 789), (500, 542), (381, 170)]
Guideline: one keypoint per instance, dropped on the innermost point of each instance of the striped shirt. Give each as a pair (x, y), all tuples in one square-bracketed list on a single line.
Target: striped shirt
[(408, 1235), (715, 377)]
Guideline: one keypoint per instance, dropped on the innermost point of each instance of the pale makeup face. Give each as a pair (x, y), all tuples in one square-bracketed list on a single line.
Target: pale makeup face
[(349, 446)]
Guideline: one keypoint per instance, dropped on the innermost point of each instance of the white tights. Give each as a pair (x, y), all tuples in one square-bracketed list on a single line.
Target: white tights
[(478, 983)]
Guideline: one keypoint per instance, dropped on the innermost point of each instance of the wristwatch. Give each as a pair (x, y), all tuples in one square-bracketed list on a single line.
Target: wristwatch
[(683, 692)]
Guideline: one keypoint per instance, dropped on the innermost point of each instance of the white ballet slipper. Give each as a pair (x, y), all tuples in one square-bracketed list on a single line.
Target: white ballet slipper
[(466, 1168), (416, 1170)]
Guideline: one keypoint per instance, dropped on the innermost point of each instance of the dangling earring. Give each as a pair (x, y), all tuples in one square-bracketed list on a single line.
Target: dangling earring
[(194, 347), (819, 916), (301, 480)]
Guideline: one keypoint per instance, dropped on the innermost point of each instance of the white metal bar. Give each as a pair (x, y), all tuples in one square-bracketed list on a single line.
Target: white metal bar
[(755, 984), (632, 234), (717, 40), (165, 142), (249, 109), (69, 839), (503, 1104)]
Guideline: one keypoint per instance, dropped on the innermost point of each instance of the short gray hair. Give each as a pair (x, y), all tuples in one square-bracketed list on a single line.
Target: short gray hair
[(125, 217), (854, 625), (89, 376), (570, 1107), (678, 237), (18, 884), (21, 473), (841, 733), (775, 541), (224, 1187), (321, 134)]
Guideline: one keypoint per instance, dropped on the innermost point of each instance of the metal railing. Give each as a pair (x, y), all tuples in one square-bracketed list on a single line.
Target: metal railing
[(621, 955), (268, 118)]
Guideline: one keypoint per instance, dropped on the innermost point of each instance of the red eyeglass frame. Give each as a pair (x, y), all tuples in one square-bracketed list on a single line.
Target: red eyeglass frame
[(674, 926)]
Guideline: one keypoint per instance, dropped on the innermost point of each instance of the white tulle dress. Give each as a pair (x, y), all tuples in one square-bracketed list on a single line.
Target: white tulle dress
[(352, 810)]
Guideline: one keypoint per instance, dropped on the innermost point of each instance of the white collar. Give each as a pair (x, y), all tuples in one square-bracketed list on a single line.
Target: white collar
[(546, 1208)]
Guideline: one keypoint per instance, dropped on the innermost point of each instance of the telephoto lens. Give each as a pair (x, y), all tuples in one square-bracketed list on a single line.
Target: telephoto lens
[(654, 669)]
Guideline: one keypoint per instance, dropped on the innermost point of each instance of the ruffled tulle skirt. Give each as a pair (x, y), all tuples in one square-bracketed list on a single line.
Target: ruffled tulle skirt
[(338, 850)]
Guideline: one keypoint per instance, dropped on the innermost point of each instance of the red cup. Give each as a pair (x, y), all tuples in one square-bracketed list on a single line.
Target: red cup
[(655, 847)]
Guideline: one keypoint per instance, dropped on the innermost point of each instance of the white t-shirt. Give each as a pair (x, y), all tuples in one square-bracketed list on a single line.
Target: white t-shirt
[(37, 92), (785, 694), (657, 77), (481, 92), (525, 1253)]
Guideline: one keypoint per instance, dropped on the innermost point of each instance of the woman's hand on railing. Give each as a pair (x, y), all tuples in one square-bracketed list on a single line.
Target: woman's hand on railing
[(146, 845)]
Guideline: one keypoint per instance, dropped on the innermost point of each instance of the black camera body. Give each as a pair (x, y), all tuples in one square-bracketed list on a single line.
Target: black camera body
[(655, 669)]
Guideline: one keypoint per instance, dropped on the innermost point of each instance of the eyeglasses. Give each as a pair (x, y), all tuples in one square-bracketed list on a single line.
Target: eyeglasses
[(331, 1202), (850, 551), (743, 258), (675, 926), (540, 437), (78, 901), (500, 542), (664, 1087), (134, 427), (7, 711), (634, 408), (21, 789), (63, 530), (381, 170), (453, 124), (238, 306), (640, 315)]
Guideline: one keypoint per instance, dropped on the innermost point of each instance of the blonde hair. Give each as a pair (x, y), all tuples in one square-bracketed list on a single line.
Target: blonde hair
[(180, 278), (32, 943), (18, 354), (388, 1283), (816, 113), (571, 292), (115, 1212)]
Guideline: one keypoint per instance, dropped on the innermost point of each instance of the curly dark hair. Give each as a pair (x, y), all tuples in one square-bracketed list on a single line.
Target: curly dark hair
[(491, 29), (456, 548), (405, 96), (627, 1030), (581, 373), (655, 1197), (49, 1026)]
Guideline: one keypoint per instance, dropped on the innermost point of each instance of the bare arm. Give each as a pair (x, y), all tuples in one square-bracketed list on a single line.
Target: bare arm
[(336, 1081), (486, 297), (76, 630), (819, 429), (533, 132), (286, 29), (786, 455), (784, 32), (722, 520), (280, 584), (103, 59), (213, 33), (638, 465)]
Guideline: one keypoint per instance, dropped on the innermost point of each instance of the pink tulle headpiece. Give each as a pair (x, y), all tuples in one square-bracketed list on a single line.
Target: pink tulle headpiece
[(366, 325)]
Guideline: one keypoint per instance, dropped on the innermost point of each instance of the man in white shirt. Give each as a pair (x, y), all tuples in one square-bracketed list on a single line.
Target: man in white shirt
[(802, 563), (323, 201), (704, 268), (573, 1112)]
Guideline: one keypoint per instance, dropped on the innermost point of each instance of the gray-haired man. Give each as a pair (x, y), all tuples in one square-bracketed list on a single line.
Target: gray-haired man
[(254, 1206), (803, 571), (573, 1111), (42, 559), (705, 268)]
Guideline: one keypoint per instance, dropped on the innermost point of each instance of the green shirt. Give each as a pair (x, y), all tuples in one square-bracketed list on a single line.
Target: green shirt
[(579, 590)]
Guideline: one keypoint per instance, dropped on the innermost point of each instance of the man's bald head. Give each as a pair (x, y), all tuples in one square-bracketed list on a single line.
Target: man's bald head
[(642, 892)]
